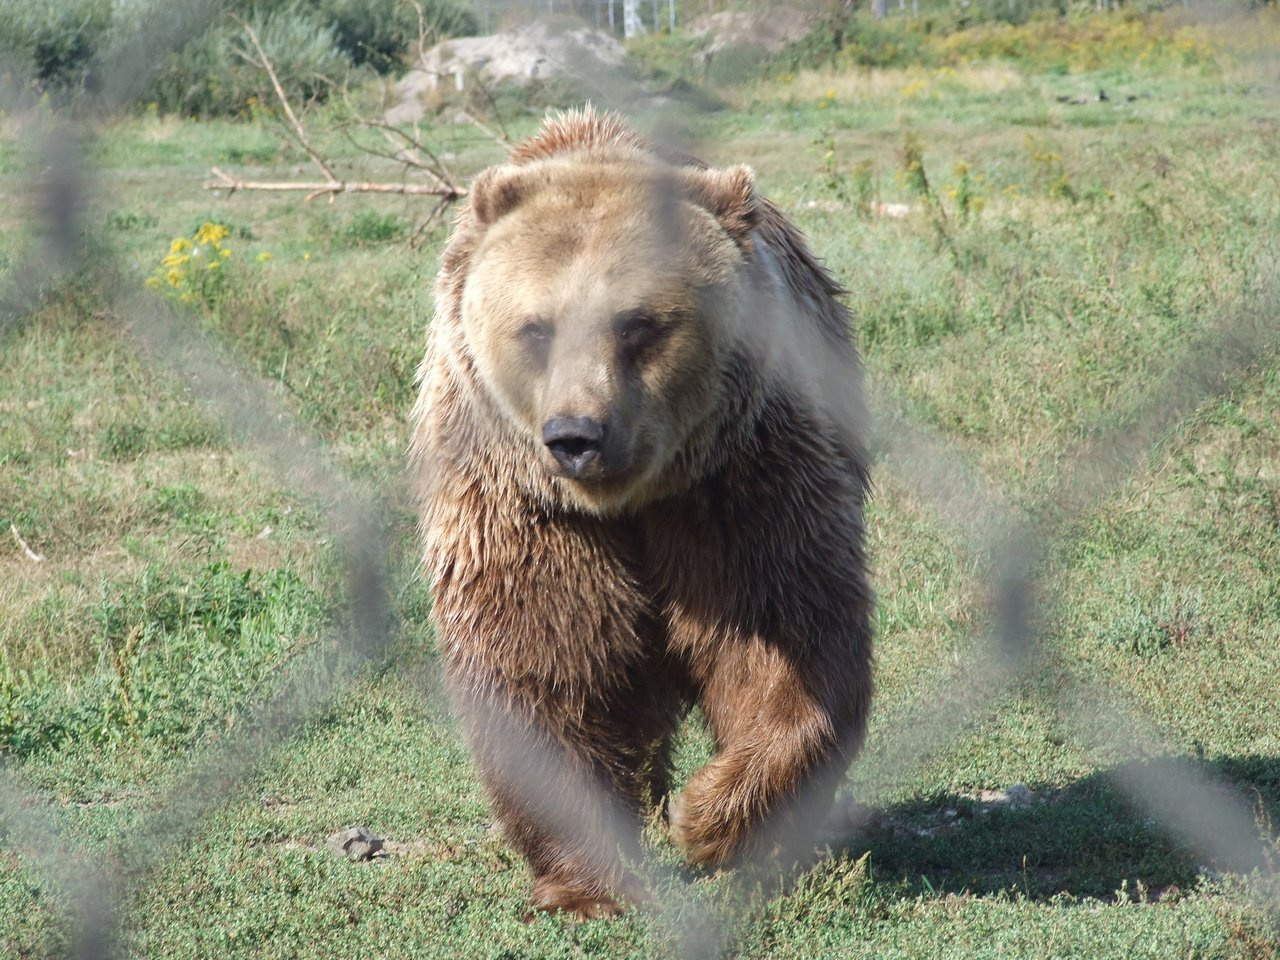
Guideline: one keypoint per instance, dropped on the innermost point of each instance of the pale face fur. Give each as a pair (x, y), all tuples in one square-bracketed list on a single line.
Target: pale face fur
[(602, 293)]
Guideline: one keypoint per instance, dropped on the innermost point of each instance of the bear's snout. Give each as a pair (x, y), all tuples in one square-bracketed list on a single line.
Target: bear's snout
[(574, 442)]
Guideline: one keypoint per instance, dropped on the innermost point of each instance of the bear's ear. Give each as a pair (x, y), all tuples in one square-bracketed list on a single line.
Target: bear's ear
[(729, 194), (497, 191)]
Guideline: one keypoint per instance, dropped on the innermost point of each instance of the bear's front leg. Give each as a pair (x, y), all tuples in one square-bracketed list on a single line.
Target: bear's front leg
[(785, 732), (566, 801), (555, 667)]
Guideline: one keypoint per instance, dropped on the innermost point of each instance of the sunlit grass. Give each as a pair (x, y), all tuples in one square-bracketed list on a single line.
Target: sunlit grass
[(1058, 253)]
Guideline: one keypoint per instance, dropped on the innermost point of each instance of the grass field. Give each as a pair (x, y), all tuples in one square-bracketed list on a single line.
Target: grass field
[(1065, 261)]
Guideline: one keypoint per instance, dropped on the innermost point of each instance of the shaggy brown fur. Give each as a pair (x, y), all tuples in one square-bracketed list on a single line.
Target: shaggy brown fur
[(709, 551)]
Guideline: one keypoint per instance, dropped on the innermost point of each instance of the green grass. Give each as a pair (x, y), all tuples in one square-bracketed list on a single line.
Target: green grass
[(185, 581)]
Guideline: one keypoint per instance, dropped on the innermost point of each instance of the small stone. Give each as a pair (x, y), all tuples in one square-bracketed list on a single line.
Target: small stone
[(355, 843), (846, 819), (1019, 795)]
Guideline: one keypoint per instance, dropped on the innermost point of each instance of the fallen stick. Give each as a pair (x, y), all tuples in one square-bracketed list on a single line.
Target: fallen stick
[(31, 554), (319, 188)]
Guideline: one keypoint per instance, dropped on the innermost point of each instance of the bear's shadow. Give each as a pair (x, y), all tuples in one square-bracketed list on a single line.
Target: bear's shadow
[(1084, 839)]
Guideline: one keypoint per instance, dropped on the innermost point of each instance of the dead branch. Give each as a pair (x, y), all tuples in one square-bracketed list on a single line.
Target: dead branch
[(429, 224), (423, 32), (500, 135), (31, 554), (317, 188), (407, 149), (411, 153), (299, 130)]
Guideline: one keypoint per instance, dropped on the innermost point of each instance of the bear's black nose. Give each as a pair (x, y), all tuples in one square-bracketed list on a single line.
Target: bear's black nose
[(575, 442)]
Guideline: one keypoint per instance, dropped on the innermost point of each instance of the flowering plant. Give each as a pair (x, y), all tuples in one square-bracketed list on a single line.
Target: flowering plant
[(194, 270)]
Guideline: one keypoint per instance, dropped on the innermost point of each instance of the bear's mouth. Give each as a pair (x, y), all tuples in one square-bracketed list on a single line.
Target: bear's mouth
[(583, 465)]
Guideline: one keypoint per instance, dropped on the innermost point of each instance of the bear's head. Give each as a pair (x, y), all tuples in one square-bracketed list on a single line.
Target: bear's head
[(603, 300)]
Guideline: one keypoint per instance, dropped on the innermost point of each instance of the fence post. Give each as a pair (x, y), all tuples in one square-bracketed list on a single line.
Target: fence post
[(632, 25)]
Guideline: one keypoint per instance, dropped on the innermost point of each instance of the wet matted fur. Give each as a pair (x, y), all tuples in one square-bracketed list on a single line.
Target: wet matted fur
[(697, 539)]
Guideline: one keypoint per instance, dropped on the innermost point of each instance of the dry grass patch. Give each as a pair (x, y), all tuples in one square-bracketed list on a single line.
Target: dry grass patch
[(843, 84)]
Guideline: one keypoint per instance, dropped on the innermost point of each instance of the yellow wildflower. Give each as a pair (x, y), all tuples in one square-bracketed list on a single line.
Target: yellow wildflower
[(916, 88), (175, 259), (180, 244), (212, 233), (175, 277), (263, 256)]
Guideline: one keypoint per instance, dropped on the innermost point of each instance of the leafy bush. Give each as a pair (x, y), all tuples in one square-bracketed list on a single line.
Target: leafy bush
[(69, 45), (213, 75), (381, 33), (53, 43), (378, 33), (369, 226)]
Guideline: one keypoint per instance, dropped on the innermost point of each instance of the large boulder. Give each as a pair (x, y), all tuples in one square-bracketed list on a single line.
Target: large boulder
[(770, 32), (529, 54)]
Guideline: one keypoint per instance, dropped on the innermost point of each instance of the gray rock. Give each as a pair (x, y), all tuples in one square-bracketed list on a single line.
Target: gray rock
[(1019, 795), (355, 843)]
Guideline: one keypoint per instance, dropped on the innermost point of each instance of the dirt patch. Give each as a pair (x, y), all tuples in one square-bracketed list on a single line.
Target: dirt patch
[(107, 801)]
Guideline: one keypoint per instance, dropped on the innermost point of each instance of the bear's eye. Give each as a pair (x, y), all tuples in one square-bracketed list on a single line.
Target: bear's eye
[(535, 334), (636, 330)]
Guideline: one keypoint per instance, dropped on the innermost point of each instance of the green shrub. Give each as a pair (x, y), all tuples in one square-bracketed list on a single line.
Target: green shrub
[(213, 75), (70, 45), (52, 43), (381, 33), (369, 226)]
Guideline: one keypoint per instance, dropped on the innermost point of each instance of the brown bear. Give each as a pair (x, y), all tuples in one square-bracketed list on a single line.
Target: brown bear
[(639, 451)]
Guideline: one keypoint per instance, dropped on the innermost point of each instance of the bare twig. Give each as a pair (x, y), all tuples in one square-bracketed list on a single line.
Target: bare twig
[(499, 135), (423, 33), (31, 554), (407, 149), (430, 223)]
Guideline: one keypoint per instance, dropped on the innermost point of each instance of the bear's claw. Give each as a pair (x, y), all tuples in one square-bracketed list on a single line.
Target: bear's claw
[(556, 896)]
